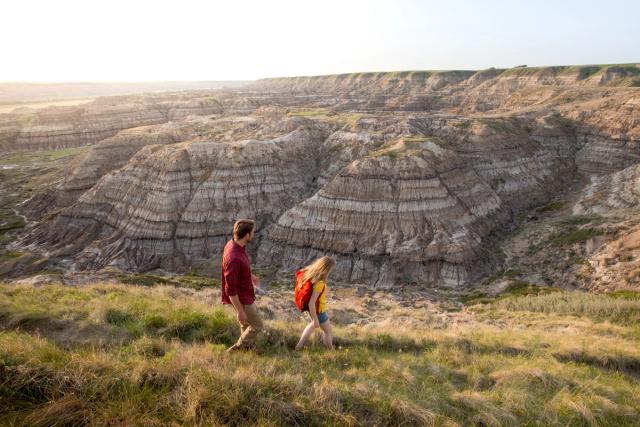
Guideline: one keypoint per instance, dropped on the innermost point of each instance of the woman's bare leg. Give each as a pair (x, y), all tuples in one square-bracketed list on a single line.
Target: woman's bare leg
[(305, 336), (328, 337)]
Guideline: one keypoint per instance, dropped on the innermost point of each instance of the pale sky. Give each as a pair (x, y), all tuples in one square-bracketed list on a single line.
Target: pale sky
[(140, 40)]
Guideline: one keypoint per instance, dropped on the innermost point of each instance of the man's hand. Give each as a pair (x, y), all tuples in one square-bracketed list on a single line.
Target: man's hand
[(242, 318), (255, 280), (316, 323)]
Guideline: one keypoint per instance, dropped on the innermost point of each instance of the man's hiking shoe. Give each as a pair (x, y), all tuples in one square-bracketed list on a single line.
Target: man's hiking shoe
[(237, 347)]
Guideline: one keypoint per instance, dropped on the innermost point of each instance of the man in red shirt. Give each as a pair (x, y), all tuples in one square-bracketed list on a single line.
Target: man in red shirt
[(238, 282)]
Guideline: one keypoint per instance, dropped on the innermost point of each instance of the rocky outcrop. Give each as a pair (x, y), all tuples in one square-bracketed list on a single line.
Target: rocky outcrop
[(62, 127), (174, 203), (410, 212), (608, 132), (421, 209), (115, 152), (616, 191)]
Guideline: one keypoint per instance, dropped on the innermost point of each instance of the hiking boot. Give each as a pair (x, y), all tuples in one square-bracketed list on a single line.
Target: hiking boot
[(235, 348), (242, 347)]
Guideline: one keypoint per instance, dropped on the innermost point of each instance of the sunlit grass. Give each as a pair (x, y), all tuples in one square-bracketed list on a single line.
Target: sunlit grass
[(507, 368)]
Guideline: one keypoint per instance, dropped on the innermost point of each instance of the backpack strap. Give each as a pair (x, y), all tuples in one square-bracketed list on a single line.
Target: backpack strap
[(318, 300)]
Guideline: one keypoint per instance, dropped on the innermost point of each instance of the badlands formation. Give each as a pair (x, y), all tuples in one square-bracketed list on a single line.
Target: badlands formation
[(441, 179)]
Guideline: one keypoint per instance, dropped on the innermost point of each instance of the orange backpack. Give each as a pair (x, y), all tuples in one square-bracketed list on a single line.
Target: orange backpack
[(303, 291)]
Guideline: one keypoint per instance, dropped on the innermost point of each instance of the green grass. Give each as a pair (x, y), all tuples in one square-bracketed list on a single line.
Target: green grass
[(574, 230), (501, 125), (582, 219), (587, 71), (408, 146), (550, 207), (12, 254), (10, 221), (515, 288), (574, 235), (625, 294), (631, 69), (40, 156), (189, 280), (136, 313), (478, 374), (310, 113)]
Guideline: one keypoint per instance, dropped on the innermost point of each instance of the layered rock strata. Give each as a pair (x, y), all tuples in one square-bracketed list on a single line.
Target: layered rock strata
[(616, 191), (462, 91), (416, 184), (422, 209), (61, 127), (173, 203)]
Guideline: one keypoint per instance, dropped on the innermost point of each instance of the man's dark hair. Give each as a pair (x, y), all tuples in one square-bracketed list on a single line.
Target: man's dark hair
[(242, 227)]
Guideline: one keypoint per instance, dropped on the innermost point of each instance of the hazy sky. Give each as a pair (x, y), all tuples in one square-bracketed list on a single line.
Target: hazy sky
[(60, 40)]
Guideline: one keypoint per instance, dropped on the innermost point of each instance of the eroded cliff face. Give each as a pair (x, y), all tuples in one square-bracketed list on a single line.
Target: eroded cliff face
[(172, 203), (459, 91), (403, 177), (422, 208)]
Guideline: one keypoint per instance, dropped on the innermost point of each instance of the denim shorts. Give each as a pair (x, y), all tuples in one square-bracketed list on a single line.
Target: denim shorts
[(323, 317)]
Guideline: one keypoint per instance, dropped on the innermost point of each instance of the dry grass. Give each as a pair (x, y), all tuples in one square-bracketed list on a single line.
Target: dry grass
[(503, 368), (600, 307)]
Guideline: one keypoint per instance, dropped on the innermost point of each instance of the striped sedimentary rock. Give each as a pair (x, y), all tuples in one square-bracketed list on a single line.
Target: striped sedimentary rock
[(420, 210), (175, 203), (61, 127), (461, 91), (614, 191), (416, 186), (608, 132)]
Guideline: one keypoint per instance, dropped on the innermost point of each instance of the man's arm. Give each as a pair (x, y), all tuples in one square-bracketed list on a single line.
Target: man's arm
[(231, 270), (255, 280), (242, 316)]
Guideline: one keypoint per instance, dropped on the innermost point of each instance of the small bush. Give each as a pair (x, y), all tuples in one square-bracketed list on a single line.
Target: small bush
[(117, 317), (142, 279), (549, 207), (13, 254), (154, 321), (582, 220), (587, 71), (573, 235)]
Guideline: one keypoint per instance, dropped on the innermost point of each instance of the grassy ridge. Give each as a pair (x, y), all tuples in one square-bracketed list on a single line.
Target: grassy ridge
[(160, 361)]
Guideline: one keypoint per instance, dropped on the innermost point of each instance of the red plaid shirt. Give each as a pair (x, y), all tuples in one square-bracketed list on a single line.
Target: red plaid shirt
[(236, 274)]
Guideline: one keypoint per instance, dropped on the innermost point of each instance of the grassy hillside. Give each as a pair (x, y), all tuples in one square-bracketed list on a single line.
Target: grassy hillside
[(136, 355)]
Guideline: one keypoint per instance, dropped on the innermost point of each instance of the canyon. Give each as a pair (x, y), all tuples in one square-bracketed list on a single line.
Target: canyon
[(460, 180)]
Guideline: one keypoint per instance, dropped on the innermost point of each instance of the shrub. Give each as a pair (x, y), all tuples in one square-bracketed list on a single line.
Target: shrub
[(117, 317)]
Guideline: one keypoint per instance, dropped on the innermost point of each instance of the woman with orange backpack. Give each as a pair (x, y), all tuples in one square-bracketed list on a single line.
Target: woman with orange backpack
[(311, 295)]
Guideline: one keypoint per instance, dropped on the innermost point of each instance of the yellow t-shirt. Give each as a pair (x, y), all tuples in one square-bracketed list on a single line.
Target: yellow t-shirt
[(318, 287)]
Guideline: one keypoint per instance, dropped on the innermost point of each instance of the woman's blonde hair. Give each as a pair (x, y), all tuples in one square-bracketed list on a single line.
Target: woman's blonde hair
[(318, 270)]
